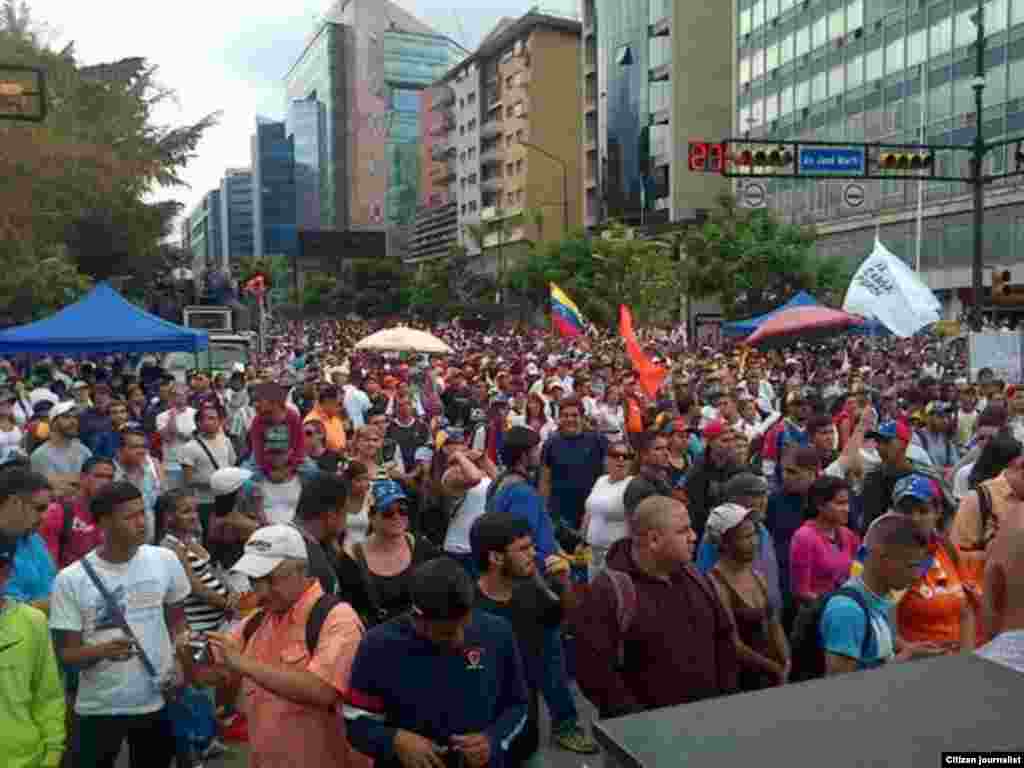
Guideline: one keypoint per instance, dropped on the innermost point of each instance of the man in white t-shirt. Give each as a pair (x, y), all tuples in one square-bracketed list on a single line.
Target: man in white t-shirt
[(124, 672), (281, 487), (204, 454), (176, 426), (466, 481)]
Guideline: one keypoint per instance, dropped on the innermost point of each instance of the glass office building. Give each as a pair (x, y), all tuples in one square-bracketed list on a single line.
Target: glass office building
[(307, 129), (888, 71), (236, 215), (273, 180)]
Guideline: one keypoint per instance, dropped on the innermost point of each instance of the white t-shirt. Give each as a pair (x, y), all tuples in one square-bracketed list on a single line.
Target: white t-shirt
[(356, 404), (607, 512), (186, 423), (456, 540), (11, 438), (193, 455), (154, 578), (280, 500)]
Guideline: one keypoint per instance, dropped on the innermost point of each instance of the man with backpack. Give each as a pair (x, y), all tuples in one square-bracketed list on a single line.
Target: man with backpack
[(852, 626), (651, 631), (293, 657)]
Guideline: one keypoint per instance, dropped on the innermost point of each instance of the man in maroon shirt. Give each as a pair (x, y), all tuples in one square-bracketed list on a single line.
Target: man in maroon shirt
[(674, 642), (71, 539)]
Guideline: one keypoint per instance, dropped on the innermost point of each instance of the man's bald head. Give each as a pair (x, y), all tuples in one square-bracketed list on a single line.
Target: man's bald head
[(1003, 595), (654, 514)]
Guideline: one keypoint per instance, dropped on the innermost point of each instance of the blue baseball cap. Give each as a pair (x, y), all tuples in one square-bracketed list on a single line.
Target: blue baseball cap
[(890, 430), (914, 486), (386, 493)]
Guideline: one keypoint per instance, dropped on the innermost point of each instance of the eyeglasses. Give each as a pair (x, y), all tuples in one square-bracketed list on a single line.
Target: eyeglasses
[(394, 510), (619, 455)]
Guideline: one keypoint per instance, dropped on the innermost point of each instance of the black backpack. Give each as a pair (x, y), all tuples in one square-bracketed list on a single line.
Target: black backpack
[(317, 616), (806, 649)]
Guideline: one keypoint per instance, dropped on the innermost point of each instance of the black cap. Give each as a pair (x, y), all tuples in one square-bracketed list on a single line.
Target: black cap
[(441, 590), (517, 441)]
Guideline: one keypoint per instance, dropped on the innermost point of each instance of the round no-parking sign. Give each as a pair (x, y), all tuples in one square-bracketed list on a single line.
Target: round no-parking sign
[(853, 195)]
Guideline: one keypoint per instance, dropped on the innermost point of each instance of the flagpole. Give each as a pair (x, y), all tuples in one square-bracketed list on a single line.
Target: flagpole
[(920, 183)]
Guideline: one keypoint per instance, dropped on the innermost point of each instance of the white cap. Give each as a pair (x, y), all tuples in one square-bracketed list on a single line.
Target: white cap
[(267, 548), (228, 480), (724, 518), (62, 409)]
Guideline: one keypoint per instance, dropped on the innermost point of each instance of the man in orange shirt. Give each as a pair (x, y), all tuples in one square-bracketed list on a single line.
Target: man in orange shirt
[(328, 412), (290, 692)]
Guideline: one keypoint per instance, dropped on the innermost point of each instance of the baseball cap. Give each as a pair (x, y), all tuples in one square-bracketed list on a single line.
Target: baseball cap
[(516, 441), (277, 438), (423, 454), (890, 430), (913, 486), (63, 409), (228, 480), (724, 518), (267, 548), (386, 493)]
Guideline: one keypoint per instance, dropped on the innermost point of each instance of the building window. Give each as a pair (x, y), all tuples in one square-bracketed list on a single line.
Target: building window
[(508, 140), (519, 135), (508, 81), (519, 166), (462, 103), (471, 98), (463, 209), (510, 168), (462, 130), (472, 179), (462, 183), (462, 157), (472, 152), (472, 206), (508, 111)]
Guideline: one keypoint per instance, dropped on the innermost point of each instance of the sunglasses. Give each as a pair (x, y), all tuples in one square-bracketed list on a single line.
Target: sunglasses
[(619, 455), (395, 510)]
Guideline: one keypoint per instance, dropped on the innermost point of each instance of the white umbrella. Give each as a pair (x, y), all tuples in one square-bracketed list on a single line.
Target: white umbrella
[(402, 339)]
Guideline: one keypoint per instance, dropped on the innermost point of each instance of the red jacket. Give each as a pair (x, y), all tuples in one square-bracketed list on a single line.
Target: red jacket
[(678, 648)]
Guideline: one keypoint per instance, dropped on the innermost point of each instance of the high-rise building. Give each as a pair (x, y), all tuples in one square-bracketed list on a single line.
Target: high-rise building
[(508, 143), (205, 233), (306, 126), (273, 183), (656, 73), (888, 72), (364, 68), (436, 227), (236, 216)]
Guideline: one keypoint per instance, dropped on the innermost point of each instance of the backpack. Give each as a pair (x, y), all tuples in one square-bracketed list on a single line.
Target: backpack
[(317, 616), (806, 649), (985, 509), (625, 606)]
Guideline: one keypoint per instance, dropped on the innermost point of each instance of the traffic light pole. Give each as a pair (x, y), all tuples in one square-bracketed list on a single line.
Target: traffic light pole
[(978, 179)]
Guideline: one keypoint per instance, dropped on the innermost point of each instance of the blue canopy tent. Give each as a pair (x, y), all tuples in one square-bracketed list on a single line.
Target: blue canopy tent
[(870, 326), (751, 324), (102, 321)]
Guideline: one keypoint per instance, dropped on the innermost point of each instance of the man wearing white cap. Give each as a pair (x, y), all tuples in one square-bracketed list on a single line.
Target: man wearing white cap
[(62, 456), (292, 671)]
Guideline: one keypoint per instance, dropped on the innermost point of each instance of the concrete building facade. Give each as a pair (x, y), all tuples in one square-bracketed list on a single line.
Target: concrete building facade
[(236, 216), (889, 72), (656, 73), (511, 93)]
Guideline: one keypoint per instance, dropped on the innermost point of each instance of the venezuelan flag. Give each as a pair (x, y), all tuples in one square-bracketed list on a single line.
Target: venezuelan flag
[(565, 315)]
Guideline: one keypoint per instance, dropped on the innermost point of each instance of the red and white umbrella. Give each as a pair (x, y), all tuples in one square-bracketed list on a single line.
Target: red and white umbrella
[(802, 324)]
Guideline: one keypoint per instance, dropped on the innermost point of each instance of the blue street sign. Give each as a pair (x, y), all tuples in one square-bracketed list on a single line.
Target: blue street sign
[(831, 161)]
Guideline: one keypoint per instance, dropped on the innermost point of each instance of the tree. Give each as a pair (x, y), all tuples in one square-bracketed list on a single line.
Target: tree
[(75, 186), (317, 290), (445, 287), (601, 273), (751, 262)]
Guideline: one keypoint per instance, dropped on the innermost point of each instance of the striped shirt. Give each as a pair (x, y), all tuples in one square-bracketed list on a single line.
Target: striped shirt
[(200, 615)]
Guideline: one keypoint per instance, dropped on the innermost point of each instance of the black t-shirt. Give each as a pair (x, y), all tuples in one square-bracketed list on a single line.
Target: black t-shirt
[(328, 462), (409, 438)]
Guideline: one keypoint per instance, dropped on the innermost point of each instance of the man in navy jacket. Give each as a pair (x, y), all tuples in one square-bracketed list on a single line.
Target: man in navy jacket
[(441, 686)]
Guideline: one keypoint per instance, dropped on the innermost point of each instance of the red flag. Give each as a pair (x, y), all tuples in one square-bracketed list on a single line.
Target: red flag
[(256, 285), (649, 374)]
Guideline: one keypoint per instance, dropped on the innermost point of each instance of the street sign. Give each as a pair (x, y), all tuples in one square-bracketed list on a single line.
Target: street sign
[(853, 195), (831, 161), (754, 195)]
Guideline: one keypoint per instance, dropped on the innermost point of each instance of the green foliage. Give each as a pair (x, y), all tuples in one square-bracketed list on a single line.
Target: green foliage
[(752, 262), (31, 288), (445, 287), (317, 290), (600, 274), (371, 287), (75, 186)]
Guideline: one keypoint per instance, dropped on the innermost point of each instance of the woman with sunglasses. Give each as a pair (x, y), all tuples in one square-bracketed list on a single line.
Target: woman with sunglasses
[(604, 521), (375, 574), (316, 447)]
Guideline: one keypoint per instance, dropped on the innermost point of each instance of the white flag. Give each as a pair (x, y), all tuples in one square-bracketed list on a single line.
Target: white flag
[(886, 289)]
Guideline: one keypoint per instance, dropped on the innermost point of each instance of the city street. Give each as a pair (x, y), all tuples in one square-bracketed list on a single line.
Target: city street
[(549, 757)]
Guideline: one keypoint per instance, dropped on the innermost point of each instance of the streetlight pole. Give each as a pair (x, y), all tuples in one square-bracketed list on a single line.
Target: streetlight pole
[(565, 183), (977, 166)]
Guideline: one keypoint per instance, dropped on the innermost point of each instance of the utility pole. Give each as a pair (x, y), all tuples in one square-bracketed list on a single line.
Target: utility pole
[(977, 166), (565, 183)]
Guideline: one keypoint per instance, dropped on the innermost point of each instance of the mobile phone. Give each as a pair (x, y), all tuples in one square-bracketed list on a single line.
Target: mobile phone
[(200, 647)]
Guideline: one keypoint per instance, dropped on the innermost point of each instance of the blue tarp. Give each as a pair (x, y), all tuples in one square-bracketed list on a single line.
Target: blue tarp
[(101, 321), (751, 324)]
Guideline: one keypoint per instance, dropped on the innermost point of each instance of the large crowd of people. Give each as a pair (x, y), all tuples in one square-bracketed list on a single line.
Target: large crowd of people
[(345, 556)]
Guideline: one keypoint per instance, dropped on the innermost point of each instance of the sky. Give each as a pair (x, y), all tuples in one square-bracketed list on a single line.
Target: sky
[(231, 56)]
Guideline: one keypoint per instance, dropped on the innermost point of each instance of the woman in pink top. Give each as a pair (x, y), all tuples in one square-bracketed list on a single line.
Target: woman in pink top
[(823, 548)]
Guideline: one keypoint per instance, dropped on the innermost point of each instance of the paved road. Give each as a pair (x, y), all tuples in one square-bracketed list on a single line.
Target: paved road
[(548, 757)]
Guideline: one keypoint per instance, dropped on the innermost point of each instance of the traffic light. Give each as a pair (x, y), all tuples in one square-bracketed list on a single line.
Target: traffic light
[(764, 159), (907, 162)]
